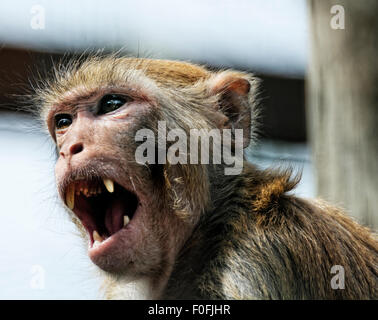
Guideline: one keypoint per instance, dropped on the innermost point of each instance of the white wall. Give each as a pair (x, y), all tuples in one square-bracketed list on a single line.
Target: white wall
[(264, 36), (35, 230)]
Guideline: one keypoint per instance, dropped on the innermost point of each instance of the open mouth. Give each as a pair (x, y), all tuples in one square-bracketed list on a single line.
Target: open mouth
[(103, 206)]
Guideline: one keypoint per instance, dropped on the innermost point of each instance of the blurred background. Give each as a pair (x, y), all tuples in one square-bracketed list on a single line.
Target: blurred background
[(317, 62)]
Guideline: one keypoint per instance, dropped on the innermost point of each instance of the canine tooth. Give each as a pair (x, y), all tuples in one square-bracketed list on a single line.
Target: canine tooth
[(109, 185), (126, 220), (96, 244), (70, 197), (97, 237)]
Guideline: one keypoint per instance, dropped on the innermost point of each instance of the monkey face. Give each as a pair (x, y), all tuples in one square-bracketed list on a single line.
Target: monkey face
[(135, 217), (115, 199)]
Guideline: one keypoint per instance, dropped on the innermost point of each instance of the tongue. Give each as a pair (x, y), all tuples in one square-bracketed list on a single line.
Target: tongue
[(114, 215)]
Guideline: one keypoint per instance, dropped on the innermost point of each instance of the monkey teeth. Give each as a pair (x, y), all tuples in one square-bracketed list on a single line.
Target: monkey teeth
[(97, 237), (70, 197), (87, 189), (102, 213), (126, 220), (109, 185)]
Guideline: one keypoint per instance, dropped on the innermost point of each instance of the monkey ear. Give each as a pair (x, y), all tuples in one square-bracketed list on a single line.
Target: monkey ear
[(234, 102)]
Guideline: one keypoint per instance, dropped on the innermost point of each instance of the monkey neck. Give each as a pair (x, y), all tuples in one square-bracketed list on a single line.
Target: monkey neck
[(236, 200), (229, 200), (123, 287)]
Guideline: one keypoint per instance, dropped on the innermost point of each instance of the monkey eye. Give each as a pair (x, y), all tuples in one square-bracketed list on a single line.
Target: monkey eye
[(62, 121), (111, 102)]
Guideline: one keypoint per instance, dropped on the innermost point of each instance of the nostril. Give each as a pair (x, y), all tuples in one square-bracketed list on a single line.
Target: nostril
[(76, 148)]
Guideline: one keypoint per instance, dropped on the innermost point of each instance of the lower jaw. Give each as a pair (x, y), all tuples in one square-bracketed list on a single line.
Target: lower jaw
[(112, 255), (107, 245)]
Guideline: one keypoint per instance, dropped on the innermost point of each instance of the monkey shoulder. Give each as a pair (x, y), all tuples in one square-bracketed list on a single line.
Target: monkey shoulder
[(279, 246)]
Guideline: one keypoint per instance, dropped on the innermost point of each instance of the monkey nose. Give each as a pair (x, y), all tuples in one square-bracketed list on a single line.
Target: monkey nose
[(76, 148), (72, 150)]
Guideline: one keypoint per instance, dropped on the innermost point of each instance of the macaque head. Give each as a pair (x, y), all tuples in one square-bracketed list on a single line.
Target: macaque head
[(136, 217)]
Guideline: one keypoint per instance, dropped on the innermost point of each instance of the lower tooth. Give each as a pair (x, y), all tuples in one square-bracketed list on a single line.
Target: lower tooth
[(96, 244), (97, 237), (126, 220)]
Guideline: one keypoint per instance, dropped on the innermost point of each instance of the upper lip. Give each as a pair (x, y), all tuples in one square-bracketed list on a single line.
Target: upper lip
[(94, 171)]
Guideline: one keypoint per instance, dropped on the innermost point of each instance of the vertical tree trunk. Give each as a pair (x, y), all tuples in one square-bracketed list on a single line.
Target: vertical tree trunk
[(342, 106)]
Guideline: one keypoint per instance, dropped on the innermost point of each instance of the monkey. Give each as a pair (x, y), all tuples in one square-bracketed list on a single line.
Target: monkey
[(189, 231)]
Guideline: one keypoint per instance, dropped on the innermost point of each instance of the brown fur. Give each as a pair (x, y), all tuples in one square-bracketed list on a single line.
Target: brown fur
[(212, 236), (266, 244)]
